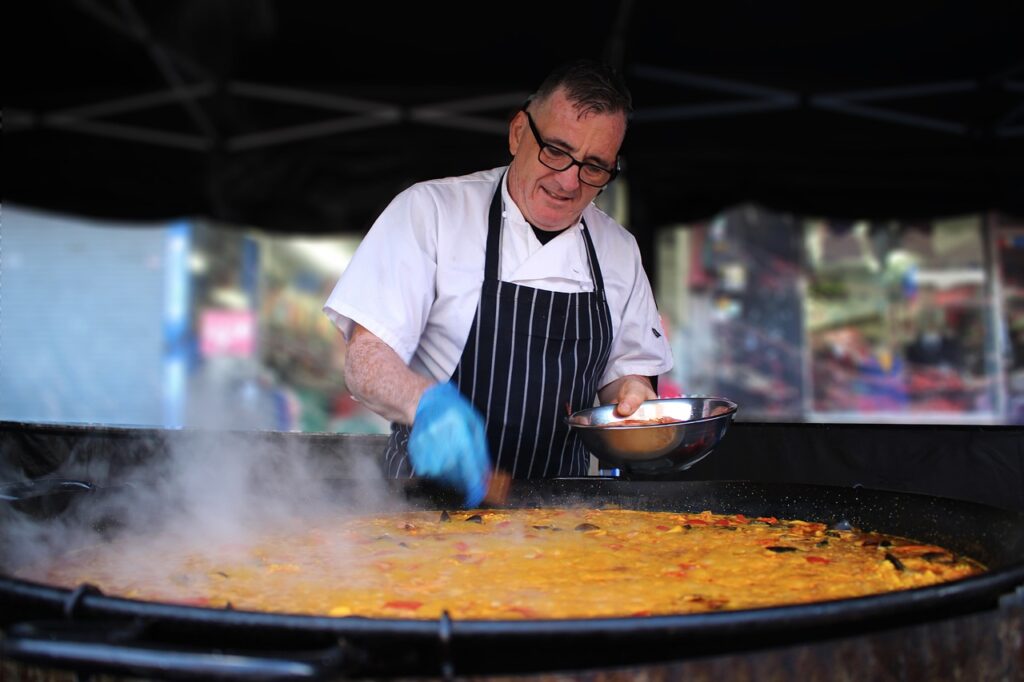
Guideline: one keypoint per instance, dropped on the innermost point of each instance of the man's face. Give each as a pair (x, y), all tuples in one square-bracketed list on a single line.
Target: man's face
[(550, 199)]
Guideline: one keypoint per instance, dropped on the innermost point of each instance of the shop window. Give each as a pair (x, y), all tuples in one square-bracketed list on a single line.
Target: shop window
[(730, 293), (279, 363), (899, 321), (1009, 256), (826, 320)]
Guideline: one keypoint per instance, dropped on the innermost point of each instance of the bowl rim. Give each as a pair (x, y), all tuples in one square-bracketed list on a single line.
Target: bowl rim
[(733, 407)]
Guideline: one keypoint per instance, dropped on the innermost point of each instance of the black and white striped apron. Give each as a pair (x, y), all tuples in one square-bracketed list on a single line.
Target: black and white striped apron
[(532, 355)]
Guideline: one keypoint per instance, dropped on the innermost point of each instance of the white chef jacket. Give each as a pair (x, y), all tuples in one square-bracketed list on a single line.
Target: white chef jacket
[(415, 279)]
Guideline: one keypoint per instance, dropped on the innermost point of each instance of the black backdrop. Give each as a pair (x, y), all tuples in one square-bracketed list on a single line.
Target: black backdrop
[(307, 117), (983, 464)]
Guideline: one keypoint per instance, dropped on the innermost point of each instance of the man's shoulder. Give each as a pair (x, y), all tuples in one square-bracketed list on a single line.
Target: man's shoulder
[(482, 181), (606, 231)]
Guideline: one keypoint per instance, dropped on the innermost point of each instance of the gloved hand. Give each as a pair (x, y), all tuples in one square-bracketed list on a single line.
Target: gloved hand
[(449, 441)]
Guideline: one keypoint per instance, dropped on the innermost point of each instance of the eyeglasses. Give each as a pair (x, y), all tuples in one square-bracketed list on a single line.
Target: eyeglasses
[(558, 160)]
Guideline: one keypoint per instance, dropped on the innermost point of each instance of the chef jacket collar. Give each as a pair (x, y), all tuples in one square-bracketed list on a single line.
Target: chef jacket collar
[(513, 216), (560, 266)]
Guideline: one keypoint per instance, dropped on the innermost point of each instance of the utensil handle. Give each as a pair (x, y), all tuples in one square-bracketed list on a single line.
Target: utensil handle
[(83, 654)]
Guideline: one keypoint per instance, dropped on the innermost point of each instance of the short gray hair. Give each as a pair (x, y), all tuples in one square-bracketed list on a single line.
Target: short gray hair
[(593, 87)]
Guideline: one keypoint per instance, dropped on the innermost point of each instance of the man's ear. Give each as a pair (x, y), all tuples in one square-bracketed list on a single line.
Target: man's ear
[(515, 132)]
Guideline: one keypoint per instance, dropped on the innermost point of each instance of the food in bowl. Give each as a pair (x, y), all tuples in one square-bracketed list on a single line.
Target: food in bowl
[(641, 422), (539, 563)]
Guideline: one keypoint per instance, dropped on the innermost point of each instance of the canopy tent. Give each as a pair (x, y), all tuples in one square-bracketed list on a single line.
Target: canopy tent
[(307, 117)]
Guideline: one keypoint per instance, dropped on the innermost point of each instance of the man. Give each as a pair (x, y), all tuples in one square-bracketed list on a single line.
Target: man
[(481, 310)]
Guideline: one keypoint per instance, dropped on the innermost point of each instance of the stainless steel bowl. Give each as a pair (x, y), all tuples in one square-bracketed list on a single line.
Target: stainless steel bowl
[(655, 448)]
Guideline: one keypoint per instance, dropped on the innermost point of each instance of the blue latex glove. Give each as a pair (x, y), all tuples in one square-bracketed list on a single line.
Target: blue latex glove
[(449, 442)]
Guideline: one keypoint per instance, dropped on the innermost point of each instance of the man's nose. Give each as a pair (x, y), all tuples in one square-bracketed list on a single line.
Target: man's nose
[(570, 177)]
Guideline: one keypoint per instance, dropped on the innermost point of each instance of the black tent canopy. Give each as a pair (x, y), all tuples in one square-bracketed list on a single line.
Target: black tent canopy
[(307, 117)]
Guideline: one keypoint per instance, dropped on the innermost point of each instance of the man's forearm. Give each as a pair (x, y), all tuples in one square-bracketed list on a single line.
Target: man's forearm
[(378, 378)]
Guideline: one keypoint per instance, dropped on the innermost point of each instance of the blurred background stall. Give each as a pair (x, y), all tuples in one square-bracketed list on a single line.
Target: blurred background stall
[(830, 206)]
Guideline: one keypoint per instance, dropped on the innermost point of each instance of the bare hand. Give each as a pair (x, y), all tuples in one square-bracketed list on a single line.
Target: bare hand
[(629, 392)]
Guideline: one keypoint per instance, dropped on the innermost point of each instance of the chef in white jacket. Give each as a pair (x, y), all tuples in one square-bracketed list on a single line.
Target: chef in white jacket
[(480, 310)]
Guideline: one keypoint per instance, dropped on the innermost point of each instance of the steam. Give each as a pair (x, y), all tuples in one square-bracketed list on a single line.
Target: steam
[(194, 493)]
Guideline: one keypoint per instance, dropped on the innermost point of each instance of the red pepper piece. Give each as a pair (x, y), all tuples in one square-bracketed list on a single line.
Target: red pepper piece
[(194, 601)]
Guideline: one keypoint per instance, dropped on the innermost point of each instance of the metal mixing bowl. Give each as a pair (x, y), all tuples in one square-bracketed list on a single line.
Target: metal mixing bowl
[(655, 448)]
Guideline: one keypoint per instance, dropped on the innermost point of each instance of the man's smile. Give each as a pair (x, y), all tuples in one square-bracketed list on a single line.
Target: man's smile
[(556, 196)]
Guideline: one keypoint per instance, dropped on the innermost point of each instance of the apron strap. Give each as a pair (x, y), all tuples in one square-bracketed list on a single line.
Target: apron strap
[(595, 267), (494, 235)]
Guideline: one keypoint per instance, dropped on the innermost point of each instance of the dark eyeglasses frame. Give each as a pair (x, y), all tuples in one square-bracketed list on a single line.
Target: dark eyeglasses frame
[(542, 145)]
